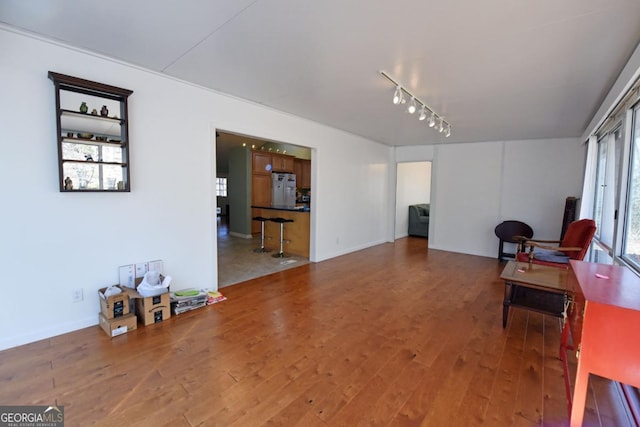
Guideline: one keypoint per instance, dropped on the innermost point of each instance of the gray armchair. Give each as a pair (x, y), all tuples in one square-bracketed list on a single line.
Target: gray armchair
[(419, 220)]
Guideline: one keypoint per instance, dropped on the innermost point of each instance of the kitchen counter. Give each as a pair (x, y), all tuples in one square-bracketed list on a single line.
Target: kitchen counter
[(296, 233), (284, 208)]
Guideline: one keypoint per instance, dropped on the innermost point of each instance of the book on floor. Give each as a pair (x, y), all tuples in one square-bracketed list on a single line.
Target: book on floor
[(214, 296), (187, 300)]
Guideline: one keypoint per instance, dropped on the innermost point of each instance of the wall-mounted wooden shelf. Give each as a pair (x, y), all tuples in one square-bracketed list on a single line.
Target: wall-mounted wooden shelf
[(93, 146)]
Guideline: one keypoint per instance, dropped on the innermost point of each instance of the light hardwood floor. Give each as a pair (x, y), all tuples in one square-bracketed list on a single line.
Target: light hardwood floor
[(392, 335)]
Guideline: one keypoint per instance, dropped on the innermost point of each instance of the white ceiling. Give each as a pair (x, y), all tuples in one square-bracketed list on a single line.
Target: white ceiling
[(496, 69)]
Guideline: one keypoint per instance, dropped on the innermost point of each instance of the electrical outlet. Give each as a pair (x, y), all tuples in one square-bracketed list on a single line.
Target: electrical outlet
[(77, 295)]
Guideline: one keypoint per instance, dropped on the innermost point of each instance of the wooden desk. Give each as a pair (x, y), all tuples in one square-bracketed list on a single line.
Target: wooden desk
[(604, 319), (534, 287)]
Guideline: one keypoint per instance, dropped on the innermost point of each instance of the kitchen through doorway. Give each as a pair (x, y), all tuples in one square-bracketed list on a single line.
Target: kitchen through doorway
[(237, 261)]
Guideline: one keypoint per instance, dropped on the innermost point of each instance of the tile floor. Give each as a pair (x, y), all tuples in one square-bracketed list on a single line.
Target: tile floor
[(238, 262)]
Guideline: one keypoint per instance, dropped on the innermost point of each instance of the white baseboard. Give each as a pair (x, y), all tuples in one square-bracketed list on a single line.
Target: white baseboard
[(244, 236), (18, 340), (352, 249)]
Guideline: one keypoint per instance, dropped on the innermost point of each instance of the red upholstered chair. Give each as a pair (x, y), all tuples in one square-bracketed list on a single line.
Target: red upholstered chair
[(573, 245)]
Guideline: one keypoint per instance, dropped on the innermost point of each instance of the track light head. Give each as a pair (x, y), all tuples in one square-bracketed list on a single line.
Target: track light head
[(432, 120), (412, 106), (423, 113), (397, 96), (440, 127), (447, 132)]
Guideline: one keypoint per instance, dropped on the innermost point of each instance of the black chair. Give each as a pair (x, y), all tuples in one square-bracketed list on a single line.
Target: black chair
[(262, 221), (507, 231), (280, 221)]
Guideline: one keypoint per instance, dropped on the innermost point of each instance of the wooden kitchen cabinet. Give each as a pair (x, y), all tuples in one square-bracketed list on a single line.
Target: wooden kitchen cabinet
[(302, 169), (261, 190), (260, 196), (306, 174), (283, 163), (297, 169), (261, 163), (260, 184)]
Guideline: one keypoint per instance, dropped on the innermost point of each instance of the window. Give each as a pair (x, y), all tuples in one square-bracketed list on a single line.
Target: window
[(600, 183), (221, 187), (631, 236), (617, 190), (607, 186)]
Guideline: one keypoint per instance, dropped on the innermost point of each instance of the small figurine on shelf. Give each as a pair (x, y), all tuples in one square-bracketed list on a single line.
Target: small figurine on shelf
[(68, 184), (88, 157), (94, 112), (104, 112), (84, 108)]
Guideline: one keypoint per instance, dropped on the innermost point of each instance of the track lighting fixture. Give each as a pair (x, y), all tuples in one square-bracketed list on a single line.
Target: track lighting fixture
[(434, 121)]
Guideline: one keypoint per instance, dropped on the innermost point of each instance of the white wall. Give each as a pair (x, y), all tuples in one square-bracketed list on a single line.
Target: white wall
[(543, 173), (56, 242), (476, 186), (413, 186)]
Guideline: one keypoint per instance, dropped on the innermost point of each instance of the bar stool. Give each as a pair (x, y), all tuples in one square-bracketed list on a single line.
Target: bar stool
[(262, 221), (280, 221)]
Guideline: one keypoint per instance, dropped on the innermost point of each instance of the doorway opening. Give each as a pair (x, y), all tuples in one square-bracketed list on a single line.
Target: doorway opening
[(237, 234), (413, 187)]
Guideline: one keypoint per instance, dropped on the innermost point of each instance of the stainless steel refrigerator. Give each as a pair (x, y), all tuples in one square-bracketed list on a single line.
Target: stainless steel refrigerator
[(283, 190)]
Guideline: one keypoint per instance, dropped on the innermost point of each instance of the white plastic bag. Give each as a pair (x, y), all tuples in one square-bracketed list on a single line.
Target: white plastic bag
[(112, 290), (153, 284)]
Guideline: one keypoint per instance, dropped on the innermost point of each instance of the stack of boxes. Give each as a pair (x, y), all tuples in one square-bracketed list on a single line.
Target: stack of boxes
[(150, 309), (115, 316), (119, 312)]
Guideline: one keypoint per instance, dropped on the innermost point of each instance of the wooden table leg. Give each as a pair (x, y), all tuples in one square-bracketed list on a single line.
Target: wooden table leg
[(508, 290), (564, 346), (564, 340), (579, 397)]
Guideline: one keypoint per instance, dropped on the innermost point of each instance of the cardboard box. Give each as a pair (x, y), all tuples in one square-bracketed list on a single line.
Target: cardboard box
[(154, 309), (115, 305), (119, 325)]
